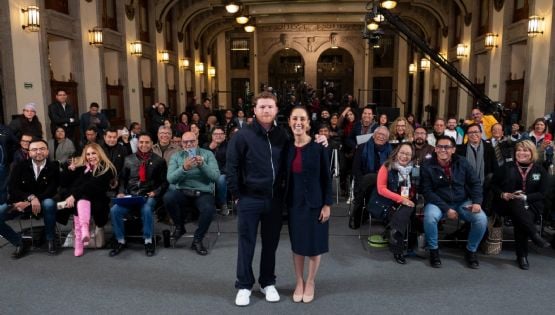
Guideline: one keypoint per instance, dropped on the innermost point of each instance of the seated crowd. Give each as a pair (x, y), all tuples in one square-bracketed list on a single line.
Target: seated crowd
[(468, 171)]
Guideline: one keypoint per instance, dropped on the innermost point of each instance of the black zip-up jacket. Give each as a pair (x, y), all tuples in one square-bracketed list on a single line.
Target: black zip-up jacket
[(156, 170), (256, 161), (440, 191)]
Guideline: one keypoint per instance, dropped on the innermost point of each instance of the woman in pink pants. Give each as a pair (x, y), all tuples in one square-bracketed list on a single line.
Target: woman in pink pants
[(92, 175)]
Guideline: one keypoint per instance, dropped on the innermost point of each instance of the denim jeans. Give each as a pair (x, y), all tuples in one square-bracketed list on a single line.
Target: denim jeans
[(118, 212), (48, 210), (478, 224), (221, 190)]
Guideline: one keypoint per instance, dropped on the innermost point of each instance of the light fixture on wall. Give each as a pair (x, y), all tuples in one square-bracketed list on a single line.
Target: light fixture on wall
[(379, 18), (184, 63), (249, 28), (242, 19), (232, 7), (412, 68), (199, 68), (424, 64), (535, 25), (95, 36), (490, 40), (136, 48), (32, 18), (372, 26), (211, 71), (462, 51), (164, 56), (388, 4)]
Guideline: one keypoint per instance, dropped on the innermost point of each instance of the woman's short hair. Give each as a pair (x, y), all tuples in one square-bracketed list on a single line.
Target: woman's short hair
[(528, 145)]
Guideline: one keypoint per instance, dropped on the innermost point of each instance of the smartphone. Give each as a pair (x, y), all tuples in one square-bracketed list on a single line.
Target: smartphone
[(518, 192), (548, 137)]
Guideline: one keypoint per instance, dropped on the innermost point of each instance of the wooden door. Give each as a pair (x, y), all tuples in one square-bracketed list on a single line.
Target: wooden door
[(148, 101), (114, 105), (172, 104)]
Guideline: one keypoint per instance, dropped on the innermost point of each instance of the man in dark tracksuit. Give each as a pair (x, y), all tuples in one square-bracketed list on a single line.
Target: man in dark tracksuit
[(255, 158)]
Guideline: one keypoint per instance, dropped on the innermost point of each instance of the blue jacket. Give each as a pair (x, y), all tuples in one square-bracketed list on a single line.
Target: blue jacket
[(364, 160), (255, 161), (315, 173), (438, 190)]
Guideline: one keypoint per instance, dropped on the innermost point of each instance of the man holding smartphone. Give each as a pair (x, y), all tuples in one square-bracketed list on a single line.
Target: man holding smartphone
[(452, 188), (193, 172)]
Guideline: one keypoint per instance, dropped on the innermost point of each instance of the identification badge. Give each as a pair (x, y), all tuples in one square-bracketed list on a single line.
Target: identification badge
[(536, 177), (405, 191)]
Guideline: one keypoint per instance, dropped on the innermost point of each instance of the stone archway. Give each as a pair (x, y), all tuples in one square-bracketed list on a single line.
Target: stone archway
[(335, 73), (286, 73)]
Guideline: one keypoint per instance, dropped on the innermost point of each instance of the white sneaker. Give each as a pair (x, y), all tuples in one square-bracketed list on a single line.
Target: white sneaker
[(271, 293), (243, 297)]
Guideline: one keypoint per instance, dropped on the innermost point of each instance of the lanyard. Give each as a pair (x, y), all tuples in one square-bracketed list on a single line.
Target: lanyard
[(524, 175)]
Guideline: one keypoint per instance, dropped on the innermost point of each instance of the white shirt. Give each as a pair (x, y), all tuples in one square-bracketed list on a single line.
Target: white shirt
[(39, 168)]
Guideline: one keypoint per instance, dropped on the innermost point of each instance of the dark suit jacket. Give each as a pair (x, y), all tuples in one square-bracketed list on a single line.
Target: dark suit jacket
[(61, 118), (490, 162), (316, 175), (22, 182)]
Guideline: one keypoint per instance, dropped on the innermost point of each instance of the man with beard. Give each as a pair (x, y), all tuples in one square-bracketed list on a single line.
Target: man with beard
[(451, 130), (62, 114), (423, 149)]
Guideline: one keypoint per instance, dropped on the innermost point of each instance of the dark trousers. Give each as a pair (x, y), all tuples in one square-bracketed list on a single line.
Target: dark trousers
[(400, 220), (523, 224), (178, 205), (252, 211), (48, 210), (363, 187)]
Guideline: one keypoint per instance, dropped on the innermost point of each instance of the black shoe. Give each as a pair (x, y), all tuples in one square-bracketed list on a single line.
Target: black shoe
[(199, 247), (471, 259), (434, 258), (400, 258), (508, 222), (52, 247), (118, 248), (20, 250), (354, 222), (523, 263), (177, 233), (149, 249), (539, 241)]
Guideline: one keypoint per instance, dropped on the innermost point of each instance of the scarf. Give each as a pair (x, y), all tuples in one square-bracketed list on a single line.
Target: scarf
[(143, 158), (476, 160), (404, 173)]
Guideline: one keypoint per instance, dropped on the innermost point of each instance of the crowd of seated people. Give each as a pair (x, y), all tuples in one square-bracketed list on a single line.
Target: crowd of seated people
[(172, 164)]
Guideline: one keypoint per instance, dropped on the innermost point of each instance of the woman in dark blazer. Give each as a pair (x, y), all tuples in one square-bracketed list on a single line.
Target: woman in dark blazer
[(92, 176), (309, 196), (520, 189)]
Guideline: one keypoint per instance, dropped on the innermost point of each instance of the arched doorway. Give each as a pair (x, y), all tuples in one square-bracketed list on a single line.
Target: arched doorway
[(286, 74), (335, 74)]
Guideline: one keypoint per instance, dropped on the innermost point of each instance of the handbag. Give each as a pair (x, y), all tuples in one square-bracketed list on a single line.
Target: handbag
[(494, 240)]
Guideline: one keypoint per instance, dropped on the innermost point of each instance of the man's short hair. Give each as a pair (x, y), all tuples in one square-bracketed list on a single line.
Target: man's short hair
[(94, 104), (474, 125), (92, 128), (324, 126), (58, 90), (144, 134), (39, 140), (218, 127), (133, 125), (384, 128), (111, 129), (264, 94), (27, 135), (163, 128), (444, 137)]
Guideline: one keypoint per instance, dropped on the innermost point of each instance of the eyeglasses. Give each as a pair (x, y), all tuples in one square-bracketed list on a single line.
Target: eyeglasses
[(476, 114), (38, 149), (186, 142), (218, 134), (443, 147), (26, 141), (405, 154), (473, 132)]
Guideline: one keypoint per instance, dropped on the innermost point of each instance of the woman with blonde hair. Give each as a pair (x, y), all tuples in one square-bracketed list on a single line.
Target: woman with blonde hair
[(520, 189), (400, 131), (91, 175)]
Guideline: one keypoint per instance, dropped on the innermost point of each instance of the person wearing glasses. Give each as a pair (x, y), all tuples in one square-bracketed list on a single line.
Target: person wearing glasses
[(368, 159), (395, 187), (485, 122), (164, 148), (400, 131), (32, 185), (452, 189), (193, 172), (218, 146), (520, 188)]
